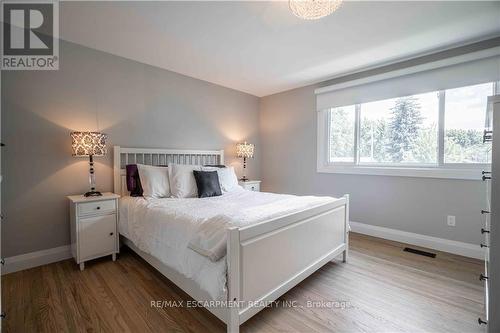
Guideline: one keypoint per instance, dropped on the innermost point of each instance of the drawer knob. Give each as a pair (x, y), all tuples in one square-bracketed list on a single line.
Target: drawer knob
[(111, 233), (98, 208)]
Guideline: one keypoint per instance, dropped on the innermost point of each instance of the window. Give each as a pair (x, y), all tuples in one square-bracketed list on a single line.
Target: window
[(465, 112), (440, 130), (399, 130), (341, 138)]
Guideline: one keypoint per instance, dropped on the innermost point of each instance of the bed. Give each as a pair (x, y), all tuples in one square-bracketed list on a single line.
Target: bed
[(271, 241)]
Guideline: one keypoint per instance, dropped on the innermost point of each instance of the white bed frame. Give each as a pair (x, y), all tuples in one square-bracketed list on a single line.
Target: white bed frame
[(264, 260)]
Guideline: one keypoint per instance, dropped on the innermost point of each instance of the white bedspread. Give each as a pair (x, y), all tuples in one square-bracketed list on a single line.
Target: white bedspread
[(165, 227)]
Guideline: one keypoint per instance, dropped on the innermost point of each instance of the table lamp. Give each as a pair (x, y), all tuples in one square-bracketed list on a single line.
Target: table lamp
[(89, 144), (245, 150)]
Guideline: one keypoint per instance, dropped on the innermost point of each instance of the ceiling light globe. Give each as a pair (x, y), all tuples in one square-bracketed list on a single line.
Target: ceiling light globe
[(313, 9)]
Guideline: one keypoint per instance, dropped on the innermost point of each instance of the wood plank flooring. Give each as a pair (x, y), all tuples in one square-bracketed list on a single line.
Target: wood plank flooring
[(381, 289)]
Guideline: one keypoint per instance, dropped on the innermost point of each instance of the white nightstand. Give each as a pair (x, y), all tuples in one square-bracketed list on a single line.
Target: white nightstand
[(93, 227), (251, 185)]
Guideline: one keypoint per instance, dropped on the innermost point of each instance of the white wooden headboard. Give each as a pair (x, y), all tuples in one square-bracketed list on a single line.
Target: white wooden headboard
[(124, 156)]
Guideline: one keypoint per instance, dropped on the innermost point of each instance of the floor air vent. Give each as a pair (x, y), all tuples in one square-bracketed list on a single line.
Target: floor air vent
[(420, 252)]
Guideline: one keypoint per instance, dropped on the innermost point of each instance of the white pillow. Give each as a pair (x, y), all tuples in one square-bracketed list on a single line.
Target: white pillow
[(227, 178), (154, 181), (182, 182)]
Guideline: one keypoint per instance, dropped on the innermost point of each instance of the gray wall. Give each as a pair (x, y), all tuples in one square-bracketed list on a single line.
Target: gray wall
[(143, 106), (288, 138), (136, 104)]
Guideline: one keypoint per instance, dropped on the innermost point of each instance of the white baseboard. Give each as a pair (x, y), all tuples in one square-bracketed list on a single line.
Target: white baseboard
[(435, 243), (37, 258)]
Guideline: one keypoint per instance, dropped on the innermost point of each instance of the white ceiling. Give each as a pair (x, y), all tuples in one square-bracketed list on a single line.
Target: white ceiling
[(261, 48)]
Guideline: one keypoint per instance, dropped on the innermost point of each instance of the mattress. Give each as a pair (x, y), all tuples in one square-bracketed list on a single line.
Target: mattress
[(165, 227)]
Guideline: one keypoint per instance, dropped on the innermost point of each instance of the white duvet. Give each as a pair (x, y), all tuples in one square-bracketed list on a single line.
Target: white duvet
[(169, 229)]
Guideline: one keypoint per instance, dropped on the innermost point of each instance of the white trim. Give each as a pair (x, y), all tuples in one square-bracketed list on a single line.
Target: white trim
[(435, 243), (357, 132), (419, 172), (35, 259), (441, 126), (478, 55), (322, 139)]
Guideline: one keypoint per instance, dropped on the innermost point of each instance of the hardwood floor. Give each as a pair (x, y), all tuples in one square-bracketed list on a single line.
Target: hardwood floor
[(381, 289)]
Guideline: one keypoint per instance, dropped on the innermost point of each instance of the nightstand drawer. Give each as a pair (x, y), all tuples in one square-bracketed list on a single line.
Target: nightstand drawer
[(253, 187), (97, 236), (250, 185), (96, 207)]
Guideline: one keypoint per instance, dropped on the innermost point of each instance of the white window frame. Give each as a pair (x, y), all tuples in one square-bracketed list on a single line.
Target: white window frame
[(440, 170)]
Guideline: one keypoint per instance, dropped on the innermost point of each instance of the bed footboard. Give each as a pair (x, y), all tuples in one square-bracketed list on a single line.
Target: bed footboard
[(268, 259)]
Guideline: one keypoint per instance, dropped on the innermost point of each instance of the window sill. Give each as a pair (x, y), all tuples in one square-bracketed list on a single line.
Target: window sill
[(423, 172)]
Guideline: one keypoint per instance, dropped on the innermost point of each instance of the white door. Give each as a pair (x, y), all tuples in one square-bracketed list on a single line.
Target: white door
[(96, 236)]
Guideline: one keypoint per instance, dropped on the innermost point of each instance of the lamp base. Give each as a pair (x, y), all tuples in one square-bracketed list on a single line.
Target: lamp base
[(244, 179), (93, 194)]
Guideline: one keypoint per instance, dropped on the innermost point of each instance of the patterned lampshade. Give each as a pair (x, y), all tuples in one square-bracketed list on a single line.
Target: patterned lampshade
[(88, 143), (245, 149)]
